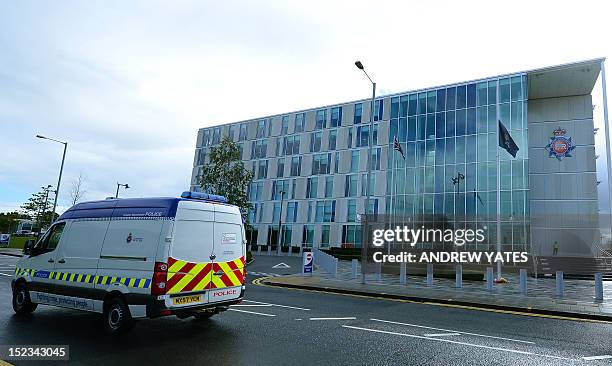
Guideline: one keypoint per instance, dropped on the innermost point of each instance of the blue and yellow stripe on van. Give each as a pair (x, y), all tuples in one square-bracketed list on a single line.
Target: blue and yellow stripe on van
[(85, 278)]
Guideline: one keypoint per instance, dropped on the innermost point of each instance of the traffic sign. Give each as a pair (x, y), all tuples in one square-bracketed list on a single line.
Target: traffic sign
[(308, 260)]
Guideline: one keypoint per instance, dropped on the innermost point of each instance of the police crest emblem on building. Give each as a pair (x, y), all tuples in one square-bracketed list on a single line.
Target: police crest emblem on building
[(560, 146)]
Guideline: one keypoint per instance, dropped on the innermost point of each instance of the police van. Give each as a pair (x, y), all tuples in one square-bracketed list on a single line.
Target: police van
[(137, 258)]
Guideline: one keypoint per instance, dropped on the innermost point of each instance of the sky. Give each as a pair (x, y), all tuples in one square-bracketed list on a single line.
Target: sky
[(128, 84)]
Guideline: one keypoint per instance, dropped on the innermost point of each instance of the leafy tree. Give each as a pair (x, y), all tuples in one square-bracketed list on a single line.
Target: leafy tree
[(9, 221), (38, 207), (226, 175)]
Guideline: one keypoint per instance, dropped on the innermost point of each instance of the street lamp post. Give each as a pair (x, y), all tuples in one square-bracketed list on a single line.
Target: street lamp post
[(126, 186), (279, 240), (456, 183), (59, 179)]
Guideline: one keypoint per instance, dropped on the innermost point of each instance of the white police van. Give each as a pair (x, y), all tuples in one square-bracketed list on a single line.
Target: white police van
[(137, 258)]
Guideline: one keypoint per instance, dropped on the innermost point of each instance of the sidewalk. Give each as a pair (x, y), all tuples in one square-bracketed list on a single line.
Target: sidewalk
[(578, 301), (13, 252)]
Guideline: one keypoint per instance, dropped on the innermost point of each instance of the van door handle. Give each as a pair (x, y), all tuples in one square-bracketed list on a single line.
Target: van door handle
[(50, 260), (61, 261)]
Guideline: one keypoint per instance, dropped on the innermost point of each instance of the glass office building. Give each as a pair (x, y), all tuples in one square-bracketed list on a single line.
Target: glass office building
[(314, 162)]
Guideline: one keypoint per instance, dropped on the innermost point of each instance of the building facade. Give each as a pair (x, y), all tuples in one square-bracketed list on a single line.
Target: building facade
[(316, 160)]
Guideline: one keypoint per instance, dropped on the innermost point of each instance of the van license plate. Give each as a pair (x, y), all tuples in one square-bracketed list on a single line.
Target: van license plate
[(186, 299)]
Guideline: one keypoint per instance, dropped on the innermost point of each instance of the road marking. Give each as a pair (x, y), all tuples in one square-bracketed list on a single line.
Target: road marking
[(4, 274), (281, 265), (346, 318), (441, 334), (251, 312), (280, 306), (252, 305), (456, 342), (591, 358), (451, 331)]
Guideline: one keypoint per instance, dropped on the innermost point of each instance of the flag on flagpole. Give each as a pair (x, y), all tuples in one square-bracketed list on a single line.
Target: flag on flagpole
[(397, 146), (505, 140)]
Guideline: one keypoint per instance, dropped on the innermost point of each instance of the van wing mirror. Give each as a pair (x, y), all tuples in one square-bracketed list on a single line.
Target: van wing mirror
[(27, 248)]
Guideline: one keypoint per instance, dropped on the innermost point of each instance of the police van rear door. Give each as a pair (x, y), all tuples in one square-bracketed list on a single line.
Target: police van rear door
[(228, 252)]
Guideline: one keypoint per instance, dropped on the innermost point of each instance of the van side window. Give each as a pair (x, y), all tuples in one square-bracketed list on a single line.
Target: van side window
[(50, 241)]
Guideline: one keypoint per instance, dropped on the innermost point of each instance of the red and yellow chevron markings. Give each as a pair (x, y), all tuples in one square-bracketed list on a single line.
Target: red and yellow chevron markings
[(186, 276)]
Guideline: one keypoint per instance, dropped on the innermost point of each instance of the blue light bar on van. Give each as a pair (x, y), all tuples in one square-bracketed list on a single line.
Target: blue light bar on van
[(203, 196)]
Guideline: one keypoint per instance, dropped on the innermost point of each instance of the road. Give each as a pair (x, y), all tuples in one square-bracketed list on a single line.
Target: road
[(276, 326)]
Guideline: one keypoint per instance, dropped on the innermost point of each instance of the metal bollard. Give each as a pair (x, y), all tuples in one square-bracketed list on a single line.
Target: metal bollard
[(354, 268), (490, 278), (269, 250), (335, 269), (378, 272), (429, 274), (402, 273), (458, 276), (560, 285), (259, 249), (598, 286), (301, 250), (523, 281)]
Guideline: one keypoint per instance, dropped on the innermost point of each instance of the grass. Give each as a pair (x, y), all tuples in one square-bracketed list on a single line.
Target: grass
[(19, 241)]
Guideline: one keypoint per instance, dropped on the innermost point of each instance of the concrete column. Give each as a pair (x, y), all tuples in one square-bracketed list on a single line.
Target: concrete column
[(598, 286), (402, 278), (523, 281), (560, 285), (458, 276), (490, 278), (429, 274)]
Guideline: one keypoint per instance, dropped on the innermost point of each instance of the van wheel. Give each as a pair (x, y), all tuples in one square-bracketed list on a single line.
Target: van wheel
[(22, 304), (203, 315), (117, 317)]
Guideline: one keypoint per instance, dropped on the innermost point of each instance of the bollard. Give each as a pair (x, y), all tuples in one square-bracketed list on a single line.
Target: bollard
[(354, 268), (301, 250), (259, 249), (269, 250), (598, 286), (403, 273), (523, 281), (458, 276), (378, 272), (429, 274), (335, 269), (490, 278), (559, 278)]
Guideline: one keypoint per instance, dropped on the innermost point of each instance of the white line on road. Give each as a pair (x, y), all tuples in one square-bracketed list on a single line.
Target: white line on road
[(591, 358), (4, 274), (253, 305), (455, 342), (451, 331), (441, 334), (346, 318), (251, 312), (280, 306)]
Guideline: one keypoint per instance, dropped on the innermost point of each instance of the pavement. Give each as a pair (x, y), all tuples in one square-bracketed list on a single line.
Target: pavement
[(13, 252), (578, 299), (280, 326)]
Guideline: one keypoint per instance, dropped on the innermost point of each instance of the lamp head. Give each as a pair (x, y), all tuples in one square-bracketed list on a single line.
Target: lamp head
[(127, 186), (359, 65)]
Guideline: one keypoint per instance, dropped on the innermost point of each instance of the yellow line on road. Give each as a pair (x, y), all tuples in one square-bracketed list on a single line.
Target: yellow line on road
[(259, 282), (4, 363)]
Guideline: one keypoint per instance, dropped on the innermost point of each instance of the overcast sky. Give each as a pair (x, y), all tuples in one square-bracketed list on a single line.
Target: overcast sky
[(128, 84)]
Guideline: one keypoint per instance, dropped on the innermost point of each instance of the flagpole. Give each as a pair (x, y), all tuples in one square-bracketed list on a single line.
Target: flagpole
[(499, 269), (392, 217)]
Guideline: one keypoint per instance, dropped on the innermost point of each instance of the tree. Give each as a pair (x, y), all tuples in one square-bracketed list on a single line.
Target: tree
[(226, 175), (9, 221), (77, 191), (39, 207)]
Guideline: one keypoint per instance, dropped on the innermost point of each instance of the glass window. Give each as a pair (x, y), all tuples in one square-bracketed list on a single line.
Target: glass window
[(481, 119), (315, 141), (412, 129), (492, 92), (243, 131), (470, 122), (285, 125), (378, 110), (262, 171), (422, 109), (206, 138), (460, 117), (351, 211), (364, 183), (336, 116), (231, 132), (358, 113), (311, 187), (412, 105), (299, 122), (280, 168), (261, 128), (440, 100), (280, 187), (321, 163), (451, 94), (403, 106), (336, 162), (516, 91), (461, 97), (51, 240), (329, 186), (363, 135), (440, 125), (354, 161), (431, 101), (321, 119), (471, 95), (504, 90), (333, 134), (395, 107), (259, 149), (350, 138), (325, 236), (481, 93), (376, 156), (308, 235), (431, 126), (292, 209), (350, 185), (296, 166)]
